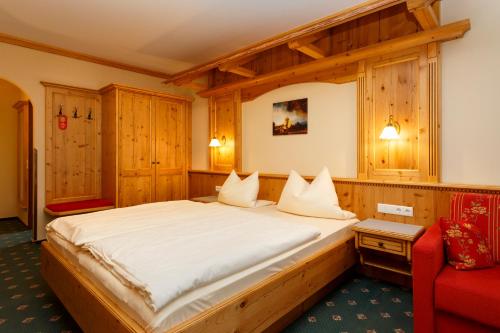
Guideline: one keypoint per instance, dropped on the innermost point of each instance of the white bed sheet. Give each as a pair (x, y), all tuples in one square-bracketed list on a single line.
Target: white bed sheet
[(198, 300)]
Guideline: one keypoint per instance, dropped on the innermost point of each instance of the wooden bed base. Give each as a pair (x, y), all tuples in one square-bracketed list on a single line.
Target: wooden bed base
[(266, 306)]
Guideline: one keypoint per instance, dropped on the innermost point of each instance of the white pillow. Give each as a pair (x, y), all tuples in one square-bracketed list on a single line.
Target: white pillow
[(317, 199), (241, 193)]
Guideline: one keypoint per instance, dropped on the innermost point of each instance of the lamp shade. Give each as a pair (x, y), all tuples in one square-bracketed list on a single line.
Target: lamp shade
[(389, 133), (214, 142)]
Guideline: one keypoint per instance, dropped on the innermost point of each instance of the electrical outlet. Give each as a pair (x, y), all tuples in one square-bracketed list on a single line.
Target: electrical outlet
[(217, 188), (395, 209)]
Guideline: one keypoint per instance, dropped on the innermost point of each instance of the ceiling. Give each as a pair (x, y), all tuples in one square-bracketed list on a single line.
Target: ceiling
[(161, 35)]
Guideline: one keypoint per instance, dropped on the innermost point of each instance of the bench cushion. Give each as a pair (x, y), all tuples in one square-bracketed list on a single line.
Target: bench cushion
[(470, 294), (80, 206)]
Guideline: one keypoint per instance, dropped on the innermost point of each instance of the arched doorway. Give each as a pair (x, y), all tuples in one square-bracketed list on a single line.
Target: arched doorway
[(17, 199)]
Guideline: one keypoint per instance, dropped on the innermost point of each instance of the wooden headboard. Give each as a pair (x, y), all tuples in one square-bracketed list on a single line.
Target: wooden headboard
[(429, 200)]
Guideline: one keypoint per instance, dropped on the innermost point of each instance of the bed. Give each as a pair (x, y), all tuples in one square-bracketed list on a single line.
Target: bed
[(253, 298)]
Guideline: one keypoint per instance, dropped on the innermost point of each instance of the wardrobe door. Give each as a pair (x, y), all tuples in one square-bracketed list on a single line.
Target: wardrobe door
[(170, 120), (136, 149)]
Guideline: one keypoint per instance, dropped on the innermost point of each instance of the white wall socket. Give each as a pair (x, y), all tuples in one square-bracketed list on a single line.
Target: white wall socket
[(217, 188), (395, 209)]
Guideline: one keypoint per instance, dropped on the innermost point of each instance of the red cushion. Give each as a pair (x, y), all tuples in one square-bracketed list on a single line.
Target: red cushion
[(466, 247), (484, 211), (78, 205), (471, 294)]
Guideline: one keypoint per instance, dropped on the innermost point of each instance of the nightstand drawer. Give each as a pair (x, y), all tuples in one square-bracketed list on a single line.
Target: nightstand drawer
[(382, 244)]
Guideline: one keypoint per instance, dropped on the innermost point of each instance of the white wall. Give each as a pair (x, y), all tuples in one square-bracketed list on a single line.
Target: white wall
[(9, 95), (330, 140), (26, 68), (471, 108)]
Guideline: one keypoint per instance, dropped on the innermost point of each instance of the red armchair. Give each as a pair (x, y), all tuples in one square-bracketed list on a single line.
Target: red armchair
[(448, 300)]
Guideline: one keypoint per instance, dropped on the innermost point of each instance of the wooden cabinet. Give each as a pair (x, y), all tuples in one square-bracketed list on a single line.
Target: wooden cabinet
[(374, 238), (146, 145), (72, 144)]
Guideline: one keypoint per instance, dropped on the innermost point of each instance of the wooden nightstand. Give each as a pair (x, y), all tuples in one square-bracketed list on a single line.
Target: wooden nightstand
[(386, 245), (207, 199)]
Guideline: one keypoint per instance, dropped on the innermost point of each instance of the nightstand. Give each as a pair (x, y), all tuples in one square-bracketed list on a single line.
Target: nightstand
[(386, 245), (207, 199)]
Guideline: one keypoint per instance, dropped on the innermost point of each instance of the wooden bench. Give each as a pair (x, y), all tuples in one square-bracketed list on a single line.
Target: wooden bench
[(78, 207)]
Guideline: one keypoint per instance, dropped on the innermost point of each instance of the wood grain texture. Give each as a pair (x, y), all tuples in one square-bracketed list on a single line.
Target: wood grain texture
[(444, 33), (147, 145), (429, 200), (349, 14), (23, 131), (73, 155), (225, 122), (252, 310)]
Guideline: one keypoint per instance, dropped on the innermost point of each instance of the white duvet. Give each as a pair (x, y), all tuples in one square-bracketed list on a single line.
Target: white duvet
[(167, 249)]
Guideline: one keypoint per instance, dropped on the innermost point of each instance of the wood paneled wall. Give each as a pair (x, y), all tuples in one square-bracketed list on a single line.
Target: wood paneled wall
[(225, 124), (72, 155), (406, 86), (429, 201), (387, 24)]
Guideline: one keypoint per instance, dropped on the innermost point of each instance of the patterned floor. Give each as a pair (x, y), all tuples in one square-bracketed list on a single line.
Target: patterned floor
[(27, 304), (361, 305)]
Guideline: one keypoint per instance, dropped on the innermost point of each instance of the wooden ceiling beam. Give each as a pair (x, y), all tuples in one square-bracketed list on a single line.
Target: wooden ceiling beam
[(236, 68), (312, 50), (444, 33), (306, 46), (242, 71), (349, 14), (424, 12)]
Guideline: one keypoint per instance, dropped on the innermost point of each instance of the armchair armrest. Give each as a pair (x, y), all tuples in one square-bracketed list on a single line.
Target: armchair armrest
[(428, 260)]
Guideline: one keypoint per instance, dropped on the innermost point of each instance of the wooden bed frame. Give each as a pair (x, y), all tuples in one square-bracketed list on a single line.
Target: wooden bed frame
[(266, 306)]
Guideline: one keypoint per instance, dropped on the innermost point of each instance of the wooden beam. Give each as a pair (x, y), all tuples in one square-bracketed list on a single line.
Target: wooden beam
[(312, 50), (444, 33), (241, 71), (13, 40), (424, 12), (338, 18), (305, 45), (196, 86)]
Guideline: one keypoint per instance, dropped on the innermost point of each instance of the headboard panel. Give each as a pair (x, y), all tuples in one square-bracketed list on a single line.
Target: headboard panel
[(429, 200)]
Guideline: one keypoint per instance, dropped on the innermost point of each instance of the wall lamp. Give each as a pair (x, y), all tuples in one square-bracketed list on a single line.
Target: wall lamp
[(214, 143), (391, 130)]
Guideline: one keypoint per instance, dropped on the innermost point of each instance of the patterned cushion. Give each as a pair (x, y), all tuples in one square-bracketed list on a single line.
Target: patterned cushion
[(466, 247), (483, 210)]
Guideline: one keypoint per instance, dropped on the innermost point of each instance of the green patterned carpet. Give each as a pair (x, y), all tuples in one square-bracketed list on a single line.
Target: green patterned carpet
[(27, 304)]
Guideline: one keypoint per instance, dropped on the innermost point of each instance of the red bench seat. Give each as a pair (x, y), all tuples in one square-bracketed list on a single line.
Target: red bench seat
[(78, 207)]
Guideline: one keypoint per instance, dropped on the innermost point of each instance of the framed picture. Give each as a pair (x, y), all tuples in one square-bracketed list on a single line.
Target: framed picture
[(290, 117)]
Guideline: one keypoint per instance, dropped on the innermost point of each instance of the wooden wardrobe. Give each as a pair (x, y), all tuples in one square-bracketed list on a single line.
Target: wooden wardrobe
[(146, 145)]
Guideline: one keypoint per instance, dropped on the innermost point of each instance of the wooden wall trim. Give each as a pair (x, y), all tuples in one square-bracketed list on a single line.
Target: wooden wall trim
[(13, 40), (429, 200), (335, 19), (380, 183), (444, 33), (64, 86), (145, 91)]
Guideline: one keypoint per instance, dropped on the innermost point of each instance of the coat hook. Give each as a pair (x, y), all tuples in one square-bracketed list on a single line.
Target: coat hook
[(89, 117), (60, 114), (75, 113)]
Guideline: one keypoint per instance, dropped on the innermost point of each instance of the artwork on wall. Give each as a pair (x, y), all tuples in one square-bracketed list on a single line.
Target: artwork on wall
[(290, 117)]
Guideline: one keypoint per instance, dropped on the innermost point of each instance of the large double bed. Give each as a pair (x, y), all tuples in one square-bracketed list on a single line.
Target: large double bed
[(184, 266)]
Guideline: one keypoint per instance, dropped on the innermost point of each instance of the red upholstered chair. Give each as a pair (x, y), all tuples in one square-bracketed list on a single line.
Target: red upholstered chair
[(449, 300)]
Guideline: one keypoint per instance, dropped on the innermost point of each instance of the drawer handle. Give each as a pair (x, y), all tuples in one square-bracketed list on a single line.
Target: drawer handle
[(381, 244)]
